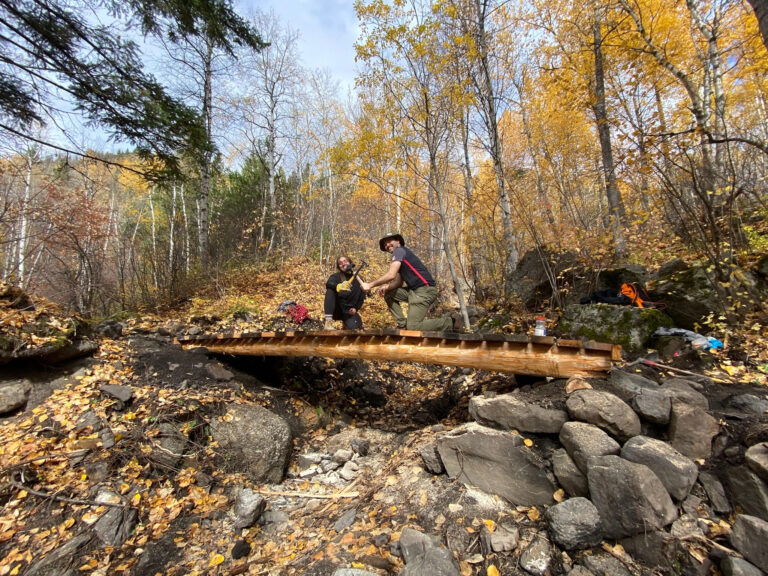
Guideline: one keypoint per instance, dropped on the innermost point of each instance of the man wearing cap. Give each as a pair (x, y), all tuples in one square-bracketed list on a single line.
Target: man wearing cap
[(408, 280)]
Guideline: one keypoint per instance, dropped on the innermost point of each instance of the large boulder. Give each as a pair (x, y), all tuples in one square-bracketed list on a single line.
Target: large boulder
[(677, 472), (630, 497), (606, 411), (255, 441), (531, 279), (584, 441), (626, 325), (510, 412), (690, 295), (14, 395), (575, 524), (497, 462)]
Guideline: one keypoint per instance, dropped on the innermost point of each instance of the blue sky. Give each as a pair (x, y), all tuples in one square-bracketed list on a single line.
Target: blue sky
[(328, 30)]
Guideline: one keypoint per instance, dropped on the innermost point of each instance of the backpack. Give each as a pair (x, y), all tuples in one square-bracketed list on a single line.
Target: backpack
[(607, 296), (638, 296)]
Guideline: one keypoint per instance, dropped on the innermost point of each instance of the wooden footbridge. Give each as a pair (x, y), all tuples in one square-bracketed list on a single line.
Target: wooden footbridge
[(518, 354)]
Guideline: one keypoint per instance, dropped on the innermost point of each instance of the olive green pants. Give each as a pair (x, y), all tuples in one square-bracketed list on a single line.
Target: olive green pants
[(419, 303)]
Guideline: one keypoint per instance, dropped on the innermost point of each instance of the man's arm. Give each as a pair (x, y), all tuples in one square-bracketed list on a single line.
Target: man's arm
[(389, 275)]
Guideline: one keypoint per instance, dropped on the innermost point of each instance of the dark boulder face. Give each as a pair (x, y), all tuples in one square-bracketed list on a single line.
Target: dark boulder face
[(531, 281)]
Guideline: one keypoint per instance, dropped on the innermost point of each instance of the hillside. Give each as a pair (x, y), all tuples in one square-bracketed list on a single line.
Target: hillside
[(116, 472)]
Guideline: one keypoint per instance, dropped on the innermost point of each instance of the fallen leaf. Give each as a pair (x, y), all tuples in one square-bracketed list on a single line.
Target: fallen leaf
[(216, 560), (492, 571)]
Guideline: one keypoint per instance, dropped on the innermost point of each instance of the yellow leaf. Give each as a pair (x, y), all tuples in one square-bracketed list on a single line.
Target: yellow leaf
[(492, 571), (216, 560), (559, 496), (491, 525), (90, 565), (528, 442), (533, 514), (22, 494)]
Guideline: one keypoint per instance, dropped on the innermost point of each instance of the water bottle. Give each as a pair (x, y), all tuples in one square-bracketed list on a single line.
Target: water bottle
[(540, 329)]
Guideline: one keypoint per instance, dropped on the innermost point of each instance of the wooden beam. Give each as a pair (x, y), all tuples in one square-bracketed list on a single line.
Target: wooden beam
[(518, 354)]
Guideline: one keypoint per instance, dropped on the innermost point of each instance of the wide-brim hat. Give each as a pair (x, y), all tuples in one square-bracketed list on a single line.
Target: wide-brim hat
[(386, 237)]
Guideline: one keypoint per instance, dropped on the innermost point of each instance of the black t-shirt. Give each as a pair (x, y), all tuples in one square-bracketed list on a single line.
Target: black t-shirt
[(413, 271), (346, 300)]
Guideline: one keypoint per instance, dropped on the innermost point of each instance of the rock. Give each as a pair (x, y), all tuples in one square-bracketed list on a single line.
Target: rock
[(69, 351), (353, 572), (605, 564), (756, 457), (241, 549), (348, 472), (360, 446), (628, 385), (537, 557), (747, 404), (748, 536), (308, 460), (715, 492), (678, 389), (746, 490), (219, 373), (431, 458), (414, 544), (14, 395), (122, 393), (691, 430), (575, 524), (504, 538), (568, 475), (110, 329), (625, 325), (169, 446), (653, 406), (580, 571), (346, 520), (685, 527), (343, 455), (530, 280), (677, 472), (672, 267), (689, 295), (116, 524), (732, 566), (424, 555), (654, 548), (496, 462), (435, 561), (58, 561), (257, 441), (629, 496), (604, 410), (583, 441), (509, 412), (249, 506)]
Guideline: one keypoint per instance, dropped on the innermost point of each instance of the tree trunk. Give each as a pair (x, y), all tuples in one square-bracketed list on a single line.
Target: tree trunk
[(206, 156), (487, 98), (761, 12), (615, 204)]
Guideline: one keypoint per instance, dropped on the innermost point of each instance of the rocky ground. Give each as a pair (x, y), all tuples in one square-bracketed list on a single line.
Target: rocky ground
[(117, 464)]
